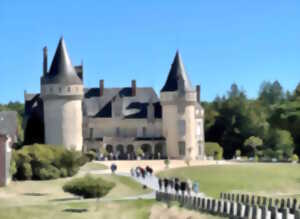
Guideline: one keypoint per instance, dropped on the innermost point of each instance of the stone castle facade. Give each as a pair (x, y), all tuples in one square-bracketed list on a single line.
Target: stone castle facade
[(117, 119)]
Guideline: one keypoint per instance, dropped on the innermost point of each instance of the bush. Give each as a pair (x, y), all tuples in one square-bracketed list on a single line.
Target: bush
[(41, 162), (88, 187), (295, 158), (139, 151), (256, 159), (213, 149), (48, 172), (167, 162), (238, 153), (91, 155)]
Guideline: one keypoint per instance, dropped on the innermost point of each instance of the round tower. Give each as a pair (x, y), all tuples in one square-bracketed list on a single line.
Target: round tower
[(62, 94), (179, 113)]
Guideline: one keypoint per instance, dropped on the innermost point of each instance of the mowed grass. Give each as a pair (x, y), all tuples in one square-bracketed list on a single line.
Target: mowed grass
[(264, 179), (36, 192), (135, 209), (93, 166), (139, 209)]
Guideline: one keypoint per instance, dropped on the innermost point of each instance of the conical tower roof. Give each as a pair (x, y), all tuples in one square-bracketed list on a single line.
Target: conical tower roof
[(61, 70), (177, 78)]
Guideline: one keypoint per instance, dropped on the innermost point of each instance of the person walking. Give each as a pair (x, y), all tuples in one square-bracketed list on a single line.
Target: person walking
[(189, 187), (166, 184), (176, 186), (113, 168), (171, 183), (195, 187), (182, 187), (160, 182)]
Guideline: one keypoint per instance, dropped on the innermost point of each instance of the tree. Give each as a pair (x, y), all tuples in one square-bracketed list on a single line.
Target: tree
[(271, 93), (253, 142), (281, 141)]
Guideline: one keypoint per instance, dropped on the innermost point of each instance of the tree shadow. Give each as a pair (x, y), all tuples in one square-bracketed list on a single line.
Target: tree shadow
[(75, 210), (65, 199), (35, 194)]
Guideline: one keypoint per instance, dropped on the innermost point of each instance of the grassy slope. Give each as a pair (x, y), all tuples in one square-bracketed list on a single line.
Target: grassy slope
[(272, 179), (116, 209), (93, 166), (136, 209), (37, 192)]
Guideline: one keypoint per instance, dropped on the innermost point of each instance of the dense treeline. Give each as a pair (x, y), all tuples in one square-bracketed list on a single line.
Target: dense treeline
[(268, 126)]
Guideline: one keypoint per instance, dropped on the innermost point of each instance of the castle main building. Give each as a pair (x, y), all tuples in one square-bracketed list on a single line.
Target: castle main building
[(117, 119)]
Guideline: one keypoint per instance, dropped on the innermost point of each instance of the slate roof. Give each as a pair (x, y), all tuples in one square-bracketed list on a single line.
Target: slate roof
[(9, 124), (177, 77), (61, 70), (132, 107)]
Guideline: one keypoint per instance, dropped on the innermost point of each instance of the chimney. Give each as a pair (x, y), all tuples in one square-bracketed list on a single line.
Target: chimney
[(101, 88), (198, 93), (45, 60), (133, 88)]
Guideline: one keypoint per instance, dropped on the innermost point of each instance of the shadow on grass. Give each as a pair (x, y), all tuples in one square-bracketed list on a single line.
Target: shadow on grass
[(65, 199), (75, 210), (35, 194)]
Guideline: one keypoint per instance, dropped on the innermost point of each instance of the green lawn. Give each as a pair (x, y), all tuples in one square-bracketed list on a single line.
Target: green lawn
[(264, 179), (36, 192), (116, 209), (135, 209), (93, 166)]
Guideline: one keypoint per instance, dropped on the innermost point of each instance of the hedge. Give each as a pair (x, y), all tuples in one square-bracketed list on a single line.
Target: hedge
[(88, 187), (43, 162)]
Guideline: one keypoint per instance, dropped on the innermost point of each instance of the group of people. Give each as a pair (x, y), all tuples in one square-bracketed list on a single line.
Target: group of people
[(177, 186), (141, 172)]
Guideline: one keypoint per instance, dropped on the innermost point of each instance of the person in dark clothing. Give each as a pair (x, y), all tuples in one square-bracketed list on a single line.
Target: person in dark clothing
[(160, 183), (166, 183), (143, 173), (176, 186), (113, 168), (183, 187), (171, 183)]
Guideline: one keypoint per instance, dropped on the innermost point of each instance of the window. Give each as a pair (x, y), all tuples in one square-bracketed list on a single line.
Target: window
[(69, 89), (181, 148), (51, 89), (144, 131), (91, 133), (118, 131), (59, 89), (181, 127)]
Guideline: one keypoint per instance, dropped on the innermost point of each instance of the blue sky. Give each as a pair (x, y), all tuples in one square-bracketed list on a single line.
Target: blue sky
[(221, 42)]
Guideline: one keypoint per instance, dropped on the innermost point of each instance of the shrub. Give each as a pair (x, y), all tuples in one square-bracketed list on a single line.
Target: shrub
[(167, 162), (139, 151), (295, 158), (256, 159), (88, 187), (213, 149), (26, 170), (91, 155), (48, 172), (43, 162), (238, 153)]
